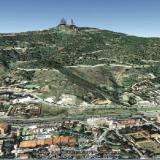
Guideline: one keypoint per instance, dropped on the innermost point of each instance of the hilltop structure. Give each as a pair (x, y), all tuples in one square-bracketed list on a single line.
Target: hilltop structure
[(63, 23)]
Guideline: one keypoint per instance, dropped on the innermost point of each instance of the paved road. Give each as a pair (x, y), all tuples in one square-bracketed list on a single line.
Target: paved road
[(32, 69)]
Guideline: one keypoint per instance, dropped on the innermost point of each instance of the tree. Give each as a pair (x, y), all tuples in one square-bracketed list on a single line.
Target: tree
[(63, 22), (132, 100)]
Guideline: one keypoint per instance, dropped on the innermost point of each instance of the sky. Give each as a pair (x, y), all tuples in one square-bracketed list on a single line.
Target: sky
[(134, 17)]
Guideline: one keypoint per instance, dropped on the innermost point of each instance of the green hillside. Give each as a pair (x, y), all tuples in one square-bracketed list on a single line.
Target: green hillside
[(68, 46), (87, 62)]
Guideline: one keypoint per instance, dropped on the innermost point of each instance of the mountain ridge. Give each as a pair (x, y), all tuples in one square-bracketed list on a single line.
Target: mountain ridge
[(110, 42)]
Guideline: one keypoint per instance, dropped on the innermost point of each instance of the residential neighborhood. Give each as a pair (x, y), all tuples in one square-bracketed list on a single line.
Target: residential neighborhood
[(103, 137)]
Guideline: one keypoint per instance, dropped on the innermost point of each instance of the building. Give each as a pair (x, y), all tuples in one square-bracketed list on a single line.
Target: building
[(144, 103), (129, 122), (24, 156), (101, 122), (63, 22), (101, 102), (155, 135), (56, 140), (67, 99), (4, 127), (1, 146), (27, 109), (64, 140), (28, 144)]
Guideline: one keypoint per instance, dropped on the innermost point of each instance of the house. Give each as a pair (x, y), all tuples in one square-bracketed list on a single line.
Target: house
[(151, 76), (135, 87), (24, 156), (4, 127), (55, 150), (50, 99), (144, 103), (28, 144), (116, 150)]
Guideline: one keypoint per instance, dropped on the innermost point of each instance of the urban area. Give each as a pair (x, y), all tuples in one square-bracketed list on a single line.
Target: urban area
[(25, 133)]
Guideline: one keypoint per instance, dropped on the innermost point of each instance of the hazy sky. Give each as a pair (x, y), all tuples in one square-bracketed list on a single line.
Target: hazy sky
[(136, 17)]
